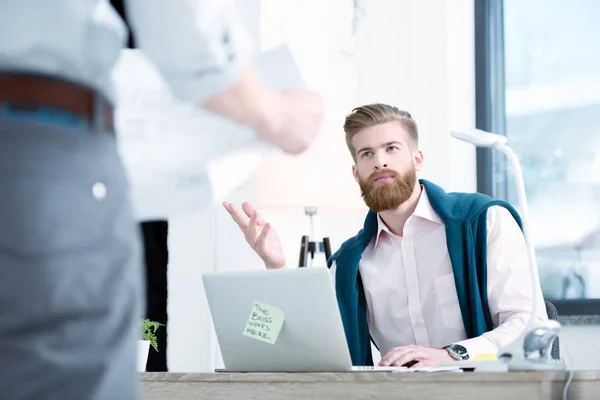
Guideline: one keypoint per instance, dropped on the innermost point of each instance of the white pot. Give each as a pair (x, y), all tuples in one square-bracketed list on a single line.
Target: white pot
[(142, 356)]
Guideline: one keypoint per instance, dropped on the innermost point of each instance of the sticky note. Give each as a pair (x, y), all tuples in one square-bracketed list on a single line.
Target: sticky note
[(265, 322), (485, 356)]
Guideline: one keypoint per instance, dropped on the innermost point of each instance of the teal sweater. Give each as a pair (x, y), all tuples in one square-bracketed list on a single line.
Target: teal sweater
[(464, 217)]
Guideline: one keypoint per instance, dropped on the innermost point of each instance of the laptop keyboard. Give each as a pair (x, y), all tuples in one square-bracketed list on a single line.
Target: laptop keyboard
[(367, 368)]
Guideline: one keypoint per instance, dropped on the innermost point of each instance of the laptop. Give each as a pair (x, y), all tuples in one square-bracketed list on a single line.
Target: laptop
[(284, 320)]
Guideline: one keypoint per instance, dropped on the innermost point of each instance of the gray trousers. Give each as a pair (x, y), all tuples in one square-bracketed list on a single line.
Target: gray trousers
[(70, 264)]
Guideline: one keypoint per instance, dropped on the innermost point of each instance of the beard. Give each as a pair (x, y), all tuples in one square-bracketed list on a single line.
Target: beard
[(383, 196)]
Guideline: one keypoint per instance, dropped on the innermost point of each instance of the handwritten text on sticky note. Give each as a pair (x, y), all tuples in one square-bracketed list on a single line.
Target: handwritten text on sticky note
[(265, 322)]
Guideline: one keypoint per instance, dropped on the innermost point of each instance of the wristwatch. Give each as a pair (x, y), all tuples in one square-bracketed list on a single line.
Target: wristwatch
[(457, 352)]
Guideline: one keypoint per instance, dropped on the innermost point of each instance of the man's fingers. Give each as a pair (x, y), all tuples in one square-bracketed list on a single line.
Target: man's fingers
[(393, 355), (248, 209), (262, 238), (424, 364), (402, 355), (411, 355), (251, 233), (236, 216)]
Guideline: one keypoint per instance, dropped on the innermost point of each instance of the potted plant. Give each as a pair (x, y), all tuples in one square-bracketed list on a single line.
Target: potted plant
[(148, 339)]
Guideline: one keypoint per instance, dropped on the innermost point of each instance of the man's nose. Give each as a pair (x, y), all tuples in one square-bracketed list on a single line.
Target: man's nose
[(380, 162)]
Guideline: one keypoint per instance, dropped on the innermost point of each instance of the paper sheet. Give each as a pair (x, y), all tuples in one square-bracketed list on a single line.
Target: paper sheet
[(264, 323), (435, 369), (406, 369), (178, 157)]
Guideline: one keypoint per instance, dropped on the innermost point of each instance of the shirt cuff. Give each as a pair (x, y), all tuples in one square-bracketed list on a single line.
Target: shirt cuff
[(199, 86), (478, 346)]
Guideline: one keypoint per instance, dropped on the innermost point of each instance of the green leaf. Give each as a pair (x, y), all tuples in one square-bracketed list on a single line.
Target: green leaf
[(149, 329)]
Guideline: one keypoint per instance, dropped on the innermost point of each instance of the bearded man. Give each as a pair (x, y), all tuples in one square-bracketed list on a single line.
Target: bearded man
[(432, 276)]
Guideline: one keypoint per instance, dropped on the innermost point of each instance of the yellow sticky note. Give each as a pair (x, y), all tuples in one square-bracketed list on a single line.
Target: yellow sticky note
[(485, 356), (265, 322)]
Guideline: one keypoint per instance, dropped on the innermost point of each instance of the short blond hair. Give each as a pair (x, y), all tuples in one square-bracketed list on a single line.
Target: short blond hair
[(364, 117)]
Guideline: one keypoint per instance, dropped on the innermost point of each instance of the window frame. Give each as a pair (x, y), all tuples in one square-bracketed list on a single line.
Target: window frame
[(490, 115)]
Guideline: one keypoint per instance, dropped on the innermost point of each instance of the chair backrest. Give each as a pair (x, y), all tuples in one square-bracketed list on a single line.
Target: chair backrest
[(553, 314)]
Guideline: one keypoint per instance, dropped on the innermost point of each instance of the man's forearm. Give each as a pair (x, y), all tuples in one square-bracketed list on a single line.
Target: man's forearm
[(479, 345), (494, 340), (247, 102)]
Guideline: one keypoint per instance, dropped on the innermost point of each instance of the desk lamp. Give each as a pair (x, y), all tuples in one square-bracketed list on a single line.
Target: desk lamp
[(532, 350)]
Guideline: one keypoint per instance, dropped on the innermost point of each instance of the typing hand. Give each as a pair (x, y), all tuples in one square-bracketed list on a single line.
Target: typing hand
[(296, 117), (415, 356), (259, 234)]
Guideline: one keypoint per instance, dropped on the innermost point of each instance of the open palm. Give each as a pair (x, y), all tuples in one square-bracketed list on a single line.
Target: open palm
[(259, 234)]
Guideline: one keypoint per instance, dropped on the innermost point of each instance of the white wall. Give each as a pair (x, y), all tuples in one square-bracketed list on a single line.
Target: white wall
[(415, 54), (419, 55)]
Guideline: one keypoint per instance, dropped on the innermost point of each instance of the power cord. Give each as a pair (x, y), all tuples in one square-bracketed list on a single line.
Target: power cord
[(566, 388), (566, 352)]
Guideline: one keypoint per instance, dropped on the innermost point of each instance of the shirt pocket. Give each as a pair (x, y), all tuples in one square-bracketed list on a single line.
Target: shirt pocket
[(447, 301)]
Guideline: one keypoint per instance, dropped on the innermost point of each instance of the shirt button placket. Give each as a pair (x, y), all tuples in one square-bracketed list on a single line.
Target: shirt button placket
[(414, 298)]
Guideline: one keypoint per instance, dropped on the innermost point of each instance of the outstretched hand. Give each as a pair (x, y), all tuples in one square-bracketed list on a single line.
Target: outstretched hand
[(259, 234)]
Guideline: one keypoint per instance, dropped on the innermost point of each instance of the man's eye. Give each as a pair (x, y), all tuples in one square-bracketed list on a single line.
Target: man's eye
[(365, 154), (392, 148)]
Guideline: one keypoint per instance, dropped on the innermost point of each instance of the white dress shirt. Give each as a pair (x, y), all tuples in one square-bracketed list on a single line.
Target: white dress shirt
[(410, 290), (197, 45)]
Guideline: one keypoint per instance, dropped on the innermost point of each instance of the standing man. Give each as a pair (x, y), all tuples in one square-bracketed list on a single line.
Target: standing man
[(71, 286)]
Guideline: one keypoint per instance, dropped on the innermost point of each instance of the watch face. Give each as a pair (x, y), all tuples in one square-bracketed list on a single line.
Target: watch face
[(459, 350)]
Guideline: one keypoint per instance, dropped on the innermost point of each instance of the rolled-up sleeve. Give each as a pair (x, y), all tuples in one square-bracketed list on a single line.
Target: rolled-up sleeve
[(199, 47)]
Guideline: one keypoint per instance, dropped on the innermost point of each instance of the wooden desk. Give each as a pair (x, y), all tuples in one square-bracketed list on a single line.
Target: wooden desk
[(375, 385)]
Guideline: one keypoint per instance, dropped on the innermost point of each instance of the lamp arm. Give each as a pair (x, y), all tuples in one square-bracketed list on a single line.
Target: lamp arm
[(520, 186), (537, 337)]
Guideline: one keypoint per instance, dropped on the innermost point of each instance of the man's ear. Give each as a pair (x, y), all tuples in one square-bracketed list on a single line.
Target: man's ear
[(355, 173), (418, 159)]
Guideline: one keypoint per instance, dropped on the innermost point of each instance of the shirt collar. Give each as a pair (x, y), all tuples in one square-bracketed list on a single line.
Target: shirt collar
[(423, 212)]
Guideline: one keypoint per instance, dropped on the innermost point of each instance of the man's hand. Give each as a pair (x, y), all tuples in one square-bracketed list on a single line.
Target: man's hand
[(415, 356), (288, 119), (294, 121), (259, 234)]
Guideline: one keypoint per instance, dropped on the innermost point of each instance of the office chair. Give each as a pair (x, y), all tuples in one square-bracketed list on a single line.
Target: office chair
[(553, 314)]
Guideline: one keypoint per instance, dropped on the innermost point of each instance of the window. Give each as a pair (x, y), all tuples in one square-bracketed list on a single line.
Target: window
[(538, 82)]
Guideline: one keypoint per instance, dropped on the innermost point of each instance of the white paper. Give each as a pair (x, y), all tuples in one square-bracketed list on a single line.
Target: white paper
[(406, 369), (377, 368), (178, 157), (435, 369)]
